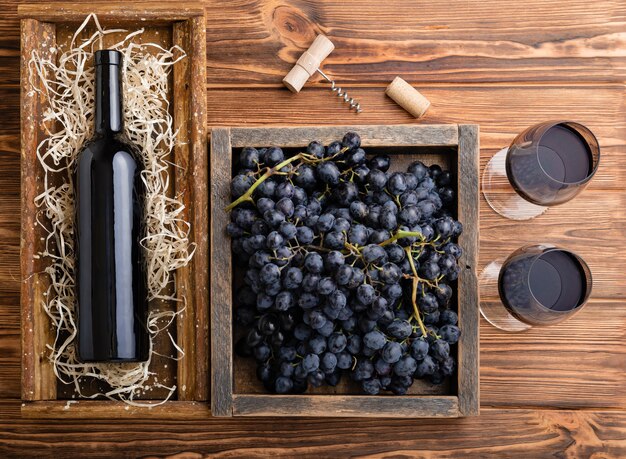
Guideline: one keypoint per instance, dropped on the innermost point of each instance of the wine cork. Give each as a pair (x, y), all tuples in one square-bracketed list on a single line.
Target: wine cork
[(308, 63), (407, 97)]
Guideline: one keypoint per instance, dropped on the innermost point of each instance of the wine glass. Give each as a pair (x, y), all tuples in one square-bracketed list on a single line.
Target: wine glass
[(537, 285), (546, 165)]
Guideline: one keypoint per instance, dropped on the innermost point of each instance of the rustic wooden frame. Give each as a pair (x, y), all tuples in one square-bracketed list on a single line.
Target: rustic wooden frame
[(224, 402), (188, 29)]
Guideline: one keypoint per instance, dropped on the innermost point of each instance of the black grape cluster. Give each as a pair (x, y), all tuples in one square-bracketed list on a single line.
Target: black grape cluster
[(348, 268)]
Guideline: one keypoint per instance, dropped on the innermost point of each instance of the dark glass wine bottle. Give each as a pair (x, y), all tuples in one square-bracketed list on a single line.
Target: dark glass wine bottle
[(111, 284)]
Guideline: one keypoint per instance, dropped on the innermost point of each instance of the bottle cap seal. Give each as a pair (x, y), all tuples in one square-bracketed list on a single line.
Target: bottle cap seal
[(108, 57)]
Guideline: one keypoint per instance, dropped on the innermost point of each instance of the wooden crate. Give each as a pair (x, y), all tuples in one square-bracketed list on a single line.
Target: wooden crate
[(235, 390), (44, 26)]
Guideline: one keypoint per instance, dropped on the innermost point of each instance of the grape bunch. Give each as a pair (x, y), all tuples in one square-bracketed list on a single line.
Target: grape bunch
[(349, 268)]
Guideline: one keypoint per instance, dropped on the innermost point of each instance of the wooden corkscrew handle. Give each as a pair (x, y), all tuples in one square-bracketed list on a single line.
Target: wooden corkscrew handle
[(308, 63)]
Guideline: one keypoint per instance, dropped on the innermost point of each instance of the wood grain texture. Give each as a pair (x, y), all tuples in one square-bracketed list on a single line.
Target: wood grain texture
[(149, 13), (576, 364), (468, 213), (38, 378), (256, 43), (10, 349), (501, 64), (221, 274), (346, 406), (10, 97), (372, 136), (106, 409), (494, 434), (501, 111), (192, 281)]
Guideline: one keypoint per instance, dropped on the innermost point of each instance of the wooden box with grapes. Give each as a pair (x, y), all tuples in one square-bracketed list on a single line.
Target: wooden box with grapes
[(342, 283)]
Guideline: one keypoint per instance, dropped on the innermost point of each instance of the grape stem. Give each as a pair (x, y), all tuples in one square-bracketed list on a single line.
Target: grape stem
[(400, 235), (247, 196), (415, 278)]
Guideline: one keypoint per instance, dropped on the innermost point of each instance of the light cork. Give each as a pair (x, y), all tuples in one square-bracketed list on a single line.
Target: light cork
[(308, 63), (407, 97)]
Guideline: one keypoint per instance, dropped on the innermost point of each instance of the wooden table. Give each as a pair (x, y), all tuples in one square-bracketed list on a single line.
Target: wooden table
[(503, 64)]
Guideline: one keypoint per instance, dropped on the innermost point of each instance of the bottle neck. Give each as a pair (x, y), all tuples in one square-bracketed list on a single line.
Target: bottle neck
[(109, 110)]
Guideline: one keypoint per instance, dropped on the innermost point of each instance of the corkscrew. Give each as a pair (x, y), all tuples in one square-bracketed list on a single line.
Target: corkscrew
[(309, 63), (342, 94)]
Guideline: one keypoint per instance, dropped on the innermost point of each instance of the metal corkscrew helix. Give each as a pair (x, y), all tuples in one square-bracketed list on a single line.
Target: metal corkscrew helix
[(309, 63), (341, 93)]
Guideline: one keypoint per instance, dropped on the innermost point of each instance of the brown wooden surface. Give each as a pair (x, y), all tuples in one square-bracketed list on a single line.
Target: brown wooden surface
[(503, 64), (451, 146)]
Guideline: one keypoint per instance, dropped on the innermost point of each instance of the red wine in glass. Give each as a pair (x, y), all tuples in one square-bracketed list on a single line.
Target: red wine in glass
[(550, 163), (542, 285)]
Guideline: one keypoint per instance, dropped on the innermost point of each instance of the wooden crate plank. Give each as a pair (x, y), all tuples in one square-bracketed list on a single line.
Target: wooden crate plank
[(221, 268), (345, 406), (148, 13), (191, 158), (380, 135), (256, 43), (468, 189), (107, 409), (38, 379)]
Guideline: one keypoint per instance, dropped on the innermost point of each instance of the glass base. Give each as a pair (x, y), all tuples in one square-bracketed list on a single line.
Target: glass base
[(491, 306), (501, 196)]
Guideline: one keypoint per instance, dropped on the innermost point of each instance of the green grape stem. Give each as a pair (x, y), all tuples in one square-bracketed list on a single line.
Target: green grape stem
[(269, 171), (247, 196), (415, 278), (400, 235)]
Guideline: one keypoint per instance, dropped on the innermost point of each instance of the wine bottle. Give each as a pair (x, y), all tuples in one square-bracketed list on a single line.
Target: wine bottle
[(111, 281)]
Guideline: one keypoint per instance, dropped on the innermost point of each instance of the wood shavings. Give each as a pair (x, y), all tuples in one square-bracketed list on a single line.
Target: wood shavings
[(67, 82)]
